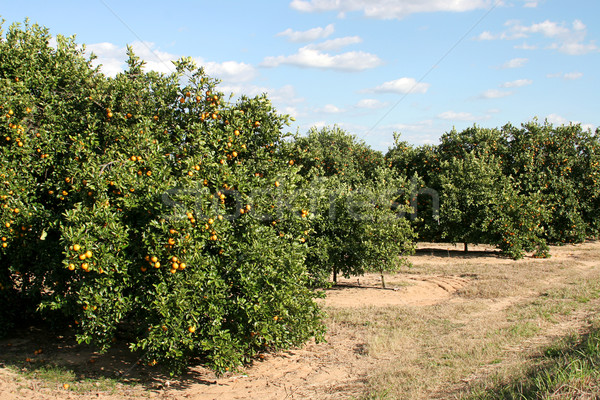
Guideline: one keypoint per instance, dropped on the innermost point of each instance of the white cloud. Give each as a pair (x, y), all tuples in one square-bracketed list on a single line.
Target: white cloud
[(568, 39), (109, 56), (572, 75), (515, 63), (530, 4), (556, 119), (335, 44), (307, 57), (486, 35), (285, 95), (567, 76), (229, 71), (309, 35), (495, 94), (330, 109), (458, 116), (517, 83), (575, 48), (525, 46), (371, 104), (402, 86), (113, 60), (386, 9)]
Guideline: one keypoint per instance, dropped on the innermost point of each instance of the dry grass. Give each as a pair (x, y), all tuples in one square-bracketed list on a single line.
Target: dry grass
[(487, 331)]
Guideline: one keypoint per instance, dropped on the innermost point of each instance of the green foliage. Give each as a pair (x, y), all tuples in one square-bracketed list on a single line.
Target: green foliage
[(563, 165), (136, 206), (356, 219)]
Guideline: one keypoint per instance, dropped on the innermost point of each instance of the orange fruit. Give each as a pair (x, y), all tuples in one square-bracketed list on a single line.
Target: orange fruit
[(192, 329)]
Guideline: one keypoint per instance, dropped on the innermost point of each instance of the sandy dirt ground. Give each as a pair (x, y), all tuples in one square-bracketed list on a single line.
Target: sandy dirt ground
[(336, 369)]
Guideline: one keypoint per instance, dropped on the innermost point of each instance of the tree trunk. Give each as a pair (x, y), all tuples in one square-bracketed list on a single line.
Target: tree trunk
[(466, 247), (334, 274), (382, 280)]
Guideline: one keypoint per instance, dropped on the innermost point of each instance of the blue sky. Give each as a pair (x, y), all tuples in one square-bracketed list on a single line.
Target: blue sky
[(373, 67)]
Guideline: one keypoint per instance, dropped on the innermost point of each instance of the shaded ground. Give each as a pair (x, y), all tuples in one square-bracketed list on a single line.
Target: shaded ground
[(451, 320)]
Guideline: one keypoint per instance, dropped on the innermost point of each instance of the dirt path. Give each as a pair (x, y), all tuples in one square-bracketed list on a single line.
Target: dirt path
[(471, 293)]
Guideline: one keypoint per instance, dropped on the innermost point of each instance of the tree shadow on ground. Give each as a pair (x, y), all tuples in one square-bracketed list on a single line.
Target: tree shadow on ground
[(37, 348), (456, 253)]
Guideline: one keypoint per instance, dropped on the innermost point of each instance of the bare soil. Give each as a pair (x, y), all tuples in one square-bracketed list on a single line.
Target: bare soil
[(451, 319)]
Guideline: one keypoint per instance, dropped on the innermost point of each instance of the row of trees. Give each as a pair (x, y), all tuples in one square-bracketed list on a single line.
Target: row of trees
[(519, 188), (192, 226)]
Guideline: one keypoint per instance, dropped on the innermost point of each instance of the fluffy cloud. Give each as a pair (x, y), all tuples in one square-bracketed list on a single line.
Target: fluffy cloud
[(458, 116), (525, 46), (567, 76), (515, 63), (386, 9), (229, 71), (568, 39), (330, 109), (402, 86), (335, 44), (285, 95), (517, 83), (308, 57), (112, 59), (556, 119), (309, 35), (494, 94)]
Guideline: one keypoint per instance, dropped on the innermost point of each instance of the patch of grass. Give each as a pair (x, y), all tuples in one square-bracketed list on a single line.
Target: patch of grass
[(567, 369), (54, 376)]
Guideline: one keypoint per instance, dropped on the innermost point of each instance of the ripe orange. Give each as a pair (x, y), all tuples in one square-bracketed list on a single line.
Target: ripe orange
[(192, 329), (88, 254)]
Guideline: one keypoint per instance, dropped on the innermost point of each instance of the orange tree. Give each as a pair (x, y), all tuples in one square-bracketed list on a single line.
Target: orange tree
[(357, 206), (144, 207), (478, 203), (561, 163)]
